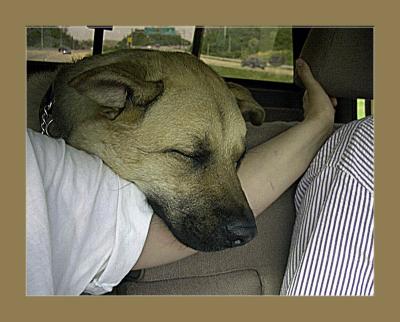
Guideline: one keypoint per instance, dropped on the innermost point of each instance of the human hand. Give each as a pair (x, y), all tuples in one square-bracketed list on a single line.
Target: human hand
[(316, 103)]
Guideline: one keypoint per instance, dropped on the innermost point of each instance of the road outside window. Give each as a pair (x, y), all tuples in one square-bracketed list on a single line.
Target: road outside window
[(258, 53), (58, 43), (69, 44)]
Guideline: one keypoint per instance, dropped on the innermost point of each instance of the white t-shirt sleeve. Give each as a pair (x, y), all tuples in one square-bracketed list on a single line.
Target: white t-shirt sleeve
[(86, 227)]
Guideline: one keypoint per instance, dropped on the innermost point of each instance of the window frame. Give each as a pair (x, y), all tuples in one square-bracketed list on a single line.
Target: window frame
[(299, 35), (280, 95)]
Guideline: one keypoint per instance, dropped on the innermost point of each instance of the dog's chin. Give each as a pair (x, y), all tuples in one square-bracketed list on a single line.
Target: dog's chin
[(211, 243), (191, 241)]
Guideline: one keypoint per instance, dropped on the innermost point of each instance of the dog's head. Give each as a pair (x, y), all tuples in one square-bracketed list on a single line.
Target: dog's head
[(171, 125)]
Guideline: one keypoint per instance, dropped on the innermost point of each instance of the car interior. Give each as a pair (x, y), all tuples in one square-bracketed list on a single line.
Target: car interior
[(341, 59)]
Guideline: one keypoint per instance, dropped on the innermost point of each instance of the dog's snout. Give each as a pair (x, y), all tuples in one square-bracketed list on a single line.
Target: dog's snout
[(240, 233)]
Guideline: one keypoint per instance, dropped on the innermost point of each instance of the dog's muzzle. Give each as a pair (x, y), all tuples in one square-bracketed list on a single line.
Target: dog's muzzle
[(236, 227)]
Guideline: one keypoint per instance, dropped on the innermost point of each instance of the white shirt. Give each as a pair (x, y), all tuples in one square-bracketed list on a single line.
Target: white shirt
[(86, 227)]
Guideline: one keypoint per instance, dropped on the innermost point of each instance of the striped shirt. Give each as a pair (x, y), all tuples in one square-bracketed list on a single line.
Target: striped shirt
[(332, 249)]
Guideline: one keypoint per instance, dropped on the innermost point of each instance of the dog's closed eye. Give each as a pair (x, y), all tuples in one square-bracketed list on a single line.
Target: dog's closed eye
[(198, 158), (128, 96)]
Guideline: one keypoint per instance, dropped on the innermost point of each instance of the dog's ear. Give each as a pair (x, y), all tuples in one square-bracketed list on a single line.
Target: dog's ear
[(251, 110), (113, 86)]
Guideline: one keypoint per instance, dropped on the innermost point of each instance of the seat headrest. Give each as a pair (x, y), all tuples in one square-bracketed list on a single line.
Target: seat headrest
[(341, 59)]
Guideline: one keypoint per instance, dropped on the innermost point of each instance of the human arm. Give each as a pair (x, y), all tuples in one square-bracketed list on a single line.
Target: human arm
[(270, 168), (265, 172)]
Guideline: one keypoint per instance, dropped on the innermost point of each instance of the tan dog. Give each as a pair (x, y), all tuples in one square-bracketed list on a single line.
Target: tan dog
[(168, 123)]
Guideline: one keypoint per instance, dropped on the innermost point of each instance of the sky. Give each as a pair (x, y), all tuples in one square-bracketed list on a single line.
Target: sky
[(119, 32)]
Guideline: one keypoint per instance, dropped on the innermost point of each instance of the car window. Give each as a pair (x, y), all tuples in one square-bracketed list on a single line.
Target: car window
[(58, 43), (260, 53)]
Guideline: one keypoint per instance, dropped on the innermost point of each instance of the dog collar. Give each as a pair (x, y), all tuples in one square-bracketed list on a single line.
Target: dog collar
[(46, 109)]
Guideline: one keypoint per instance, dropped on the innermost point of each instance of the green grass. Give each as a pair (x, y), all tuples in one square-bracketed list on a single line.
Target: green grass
[(251, 74)]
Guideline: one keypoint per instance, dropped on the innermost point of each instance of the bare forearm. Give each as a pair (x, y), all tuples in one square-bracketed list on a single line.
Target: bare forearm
[(270, 168), (161, 247)]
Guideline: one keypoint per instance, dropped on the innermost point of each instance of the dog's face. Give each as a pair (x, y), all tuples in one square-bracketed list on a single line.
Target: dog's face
[(168, 123)]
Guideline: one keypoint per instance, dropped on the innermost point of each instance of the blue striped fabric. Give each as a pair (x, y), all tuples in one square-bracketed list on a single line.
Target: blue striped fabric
[(332, 249)]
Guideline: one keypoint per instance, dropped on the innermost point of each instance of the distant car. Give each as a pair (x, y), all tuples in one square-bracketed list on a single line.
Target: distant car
[(64, 50), (253, 62), (276, 61)]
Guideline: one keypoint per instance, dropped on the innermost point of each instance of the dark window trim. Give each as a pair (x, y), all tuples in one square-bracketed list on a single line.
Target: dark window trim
[(197, 38), (98, 38), (251, 83), (346, 110), (33, 66), (98, 41), (299, 36), (368, 109)]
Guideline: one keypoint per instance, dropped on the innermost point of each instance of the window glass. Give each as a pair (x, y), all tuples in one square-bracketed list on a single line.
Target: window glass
[(360, 108), (58, 43), (170, 38), (258, 53)]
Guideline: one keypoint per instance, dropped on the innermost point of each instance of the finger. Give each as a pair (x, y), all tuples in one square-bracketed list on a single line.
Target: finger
[(305, 97), (333, 101), (305, 74)]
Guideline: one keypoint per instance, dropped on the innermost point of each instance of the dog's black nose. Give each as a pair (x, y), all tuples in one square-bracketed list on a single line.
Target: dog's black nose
[(240, 233)]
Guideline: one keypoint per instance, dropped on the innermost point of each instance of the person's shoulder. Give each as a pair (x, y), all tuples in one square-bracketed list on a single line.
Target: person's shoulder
[(362, 127), (333, 151), (361, 139), (365, 129), (358, 156), (351, 150)]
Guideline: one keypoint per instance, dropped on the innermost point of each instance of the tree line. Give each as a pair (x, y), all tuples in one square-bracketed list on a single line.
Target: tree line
[(243, 42), (53, 37), (141, 39)]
